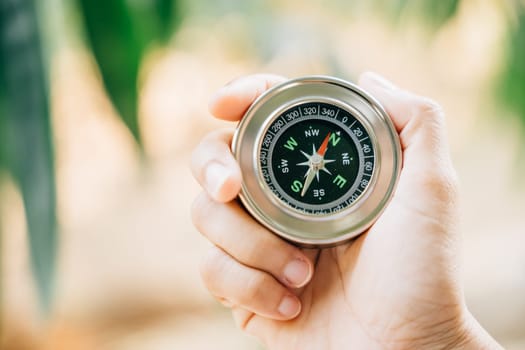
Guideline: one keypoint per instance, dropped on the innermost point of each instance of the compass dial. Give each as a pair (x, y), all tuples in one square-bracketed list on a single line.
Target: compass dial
[(317, 158)]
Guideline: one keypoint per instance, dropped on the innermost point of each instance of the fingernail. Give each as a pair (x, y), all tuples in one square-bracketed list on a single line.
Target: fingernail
[(215, 176), (381, 81), (297, 272), (289, 306)]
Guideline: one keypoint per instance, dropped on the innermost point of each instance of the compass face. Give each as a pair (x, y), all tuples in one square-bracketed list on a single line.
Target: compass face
[(317, 158)]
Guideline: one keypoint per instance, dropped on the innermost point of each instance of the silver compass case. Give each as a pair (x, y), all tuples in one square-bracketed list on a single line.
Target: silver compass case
[(299, 227)]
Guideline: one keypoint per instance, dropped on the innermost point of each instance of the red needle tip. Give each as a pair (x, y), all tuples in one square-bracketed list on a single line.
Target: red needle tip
[(322, 150)]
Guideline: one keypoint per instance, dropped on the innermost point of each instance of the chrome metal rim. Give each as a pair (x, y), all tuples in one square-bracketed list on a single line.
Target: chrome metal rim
[(308, 230)]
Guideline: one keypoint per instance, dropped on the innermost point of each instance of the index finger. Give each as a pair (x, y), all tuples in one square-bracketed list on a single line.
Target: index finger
[(232, 100)]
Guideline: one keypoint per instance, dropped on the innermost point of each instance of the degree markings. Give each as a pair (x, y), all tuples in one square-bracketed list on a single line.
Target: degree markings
[(297, 110)]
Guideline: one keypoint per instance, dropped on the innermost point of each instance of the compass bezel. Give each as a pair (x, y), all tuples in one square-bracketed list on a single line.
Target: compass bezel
[(306, 229)]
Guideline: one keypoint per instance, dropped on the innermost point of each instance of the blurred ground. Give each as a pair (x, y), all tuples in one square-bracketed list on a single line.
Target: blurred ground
[(128, 267)]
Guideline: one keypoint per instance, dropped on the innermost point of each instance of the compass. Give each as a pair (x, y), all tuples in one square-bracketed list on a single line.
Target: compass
[(320, 160)]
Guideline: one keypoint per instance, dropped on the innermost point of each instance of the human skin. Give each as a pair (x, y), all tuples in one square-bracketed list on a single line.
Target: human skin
[(396, 286)]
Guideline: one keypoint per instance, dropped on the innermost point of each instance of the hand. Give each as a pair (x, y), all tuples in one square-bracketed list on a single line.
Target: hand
[(394, 287)]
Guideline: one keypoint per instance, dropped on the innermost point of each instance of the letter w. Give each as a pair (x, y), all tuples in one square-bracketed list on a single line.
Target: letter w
[(291, 144)]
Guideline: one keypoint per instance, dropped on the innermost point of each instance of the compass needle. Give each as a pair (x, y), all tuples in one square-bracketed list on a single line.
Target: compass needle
[(324, 145), (308, 181), (307, 172)]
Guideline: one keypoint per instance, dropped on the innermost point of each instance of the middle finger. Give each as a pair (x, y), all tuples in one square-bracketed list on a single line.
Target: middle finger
[(232, 229)]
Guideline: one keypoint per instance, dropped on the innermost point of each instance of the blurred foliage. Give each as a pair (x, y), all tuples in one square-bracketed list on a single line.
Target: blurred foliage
[(432, 13), (120, 32), (3, 148), (25, 133), (512, 81)]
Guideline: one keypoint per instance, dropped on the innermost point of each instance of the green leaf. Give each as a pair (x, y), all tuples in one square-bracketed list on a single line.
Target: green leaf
[(2, 103), (26, 136), (168, 16), (512, 86), (120, 32), (2, 114)]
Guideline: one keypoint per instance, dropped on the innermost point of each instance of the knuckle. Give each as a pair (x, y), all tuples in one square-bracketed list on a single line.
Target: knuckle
[(452, 185), (242, 318), (254, 287), (200, 210), (210, 267), (427, 112), (210, 147), (195, 162), (442, 185), (198, 153), (428, 107), (256, 250)]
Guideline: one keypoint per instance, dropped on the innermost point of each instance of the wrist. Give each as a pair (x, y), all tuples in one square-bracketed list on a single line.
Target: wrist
[(462, 332), (466, 334), (474, 336)]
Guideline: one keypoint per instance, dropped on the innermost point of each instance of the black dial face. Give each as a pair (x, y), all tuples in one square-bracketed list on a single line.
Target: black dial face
[(317, 158)]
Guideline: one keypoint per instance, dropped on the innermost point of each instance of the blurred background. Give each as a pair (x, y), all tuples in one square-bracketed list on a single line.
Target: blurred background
[(101, 103)]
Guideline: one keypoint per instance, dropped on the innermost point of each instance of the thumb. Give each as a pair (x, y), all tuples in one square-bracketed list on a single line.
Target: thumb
[(420, 123)]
